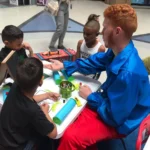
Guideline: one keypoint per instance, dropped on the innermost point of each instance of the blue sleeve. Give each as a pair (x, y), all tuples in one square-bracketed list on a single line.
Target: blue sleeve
[(122, 96), (94, 64)]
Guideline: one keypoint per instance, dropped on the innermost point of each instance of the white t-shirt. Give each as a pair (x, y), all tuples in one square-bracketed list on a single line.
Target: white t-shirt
[(85, 52)]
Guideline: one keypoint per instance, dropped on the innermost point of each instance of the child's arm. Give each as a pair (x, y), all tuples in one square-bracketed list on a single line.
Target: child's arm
[(48, 95), (45, 109), (28, 47), (101, 48), (78, 49)]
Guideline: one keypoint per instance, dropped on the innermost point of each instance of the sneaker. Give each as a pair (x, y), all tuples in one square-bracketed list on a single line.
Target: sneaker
[(61, 47), (52, 49)]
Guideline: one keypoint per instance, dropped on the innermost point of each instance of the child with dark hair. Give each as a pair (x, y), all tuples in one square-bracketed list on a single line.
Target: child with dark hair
[(21, 118), (93, 16), (12, 37), (90, 45)]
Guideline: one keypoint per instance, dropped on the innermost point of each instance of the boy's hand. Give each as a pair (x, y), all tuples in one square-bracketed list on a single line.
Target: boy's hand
[(56, 65), (46, 53), (46, 65), (53, 96), (26, 46), (85, 91), (45, 108)]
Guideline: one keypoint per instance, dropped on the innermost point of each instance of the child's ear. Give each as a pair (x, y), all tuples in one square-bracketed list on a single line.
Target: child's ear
[(6, 43), (41, 81)]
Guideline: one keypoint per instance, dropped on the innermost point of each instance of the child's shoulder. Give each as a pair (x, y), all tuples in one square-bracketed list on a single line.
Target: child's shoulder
[(4, 49), (3, 53), (80, 42)]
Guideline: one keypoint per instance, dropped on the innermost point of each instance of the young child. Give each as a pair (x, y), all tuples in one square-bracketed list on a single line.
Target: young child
[(12, 37), (91, 44), (21, 118), (93, 16)]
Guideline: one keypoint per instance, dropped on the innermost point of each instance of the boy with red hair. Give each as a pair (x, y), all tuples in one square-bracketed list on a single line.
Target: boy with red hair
[(124, 100)]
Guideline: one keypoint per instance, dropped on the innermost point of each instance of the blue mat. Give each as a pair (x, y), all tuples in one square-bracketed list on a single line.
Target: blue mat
[(44, 22), (143, 38)]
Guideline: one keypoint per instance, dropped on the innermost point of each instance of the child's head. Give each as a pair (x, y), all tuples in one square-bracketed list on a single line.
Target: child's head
[(120, 22), (29, 74), (12, 37), (93, 16), (91, 29)]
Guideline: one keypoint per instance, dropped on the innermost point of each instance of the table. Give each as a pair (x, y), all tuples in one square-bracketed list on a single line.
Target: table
[(49, 84)]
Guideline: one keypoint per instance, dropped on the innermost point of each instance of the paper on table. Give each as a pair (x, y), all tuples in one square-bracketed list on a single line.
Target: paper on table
[(45, 70)]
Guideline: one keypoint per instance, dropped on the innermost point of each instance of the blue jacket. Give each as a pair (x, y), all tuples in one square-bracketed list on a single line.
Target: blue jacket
[(125, 100)]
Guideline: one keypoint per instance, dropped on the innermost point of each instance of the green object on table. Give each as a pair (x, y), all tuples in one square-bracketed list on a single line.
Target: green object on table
[(71, 78), (77, 85), (57, 120), (56, 77), (54, 106), (64, 111), (66, 89)]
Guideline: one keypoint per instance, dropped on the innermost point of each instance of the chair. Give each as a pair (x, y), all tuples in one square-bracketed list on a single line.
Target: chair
[(144, 133)]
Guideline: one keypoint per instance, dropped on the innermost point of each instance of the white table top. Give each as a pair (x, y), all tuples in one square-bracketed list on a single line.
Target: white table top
[(49, 84)]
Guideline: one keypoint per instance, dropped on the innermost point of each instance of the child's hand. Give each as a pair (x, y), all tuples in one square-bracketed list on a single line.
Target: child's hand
[(26, 46), (56, 65), (45, 53), (84, 91), (46, 66), (53, 96), (45, 108)]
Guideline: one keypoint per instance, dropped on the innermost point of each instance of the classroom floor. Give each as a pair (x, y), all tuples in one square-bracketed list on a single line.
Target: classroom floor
[(81, 10)]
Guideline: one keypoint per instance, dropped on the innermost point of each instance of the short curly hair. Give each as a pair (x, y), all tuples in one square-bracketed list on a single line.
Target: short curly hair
[(124, 16)]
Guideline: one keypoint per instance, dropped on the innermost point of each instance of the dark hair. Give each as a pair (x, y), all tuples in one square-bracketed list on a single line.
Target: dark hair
[(11, 33), (92, 17), (92, 22), (29, 73)]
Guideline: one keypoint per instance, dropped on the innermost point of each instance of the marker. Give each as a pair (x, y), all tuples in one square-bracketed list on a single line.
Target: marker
[(78, 102), (53, 53)]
